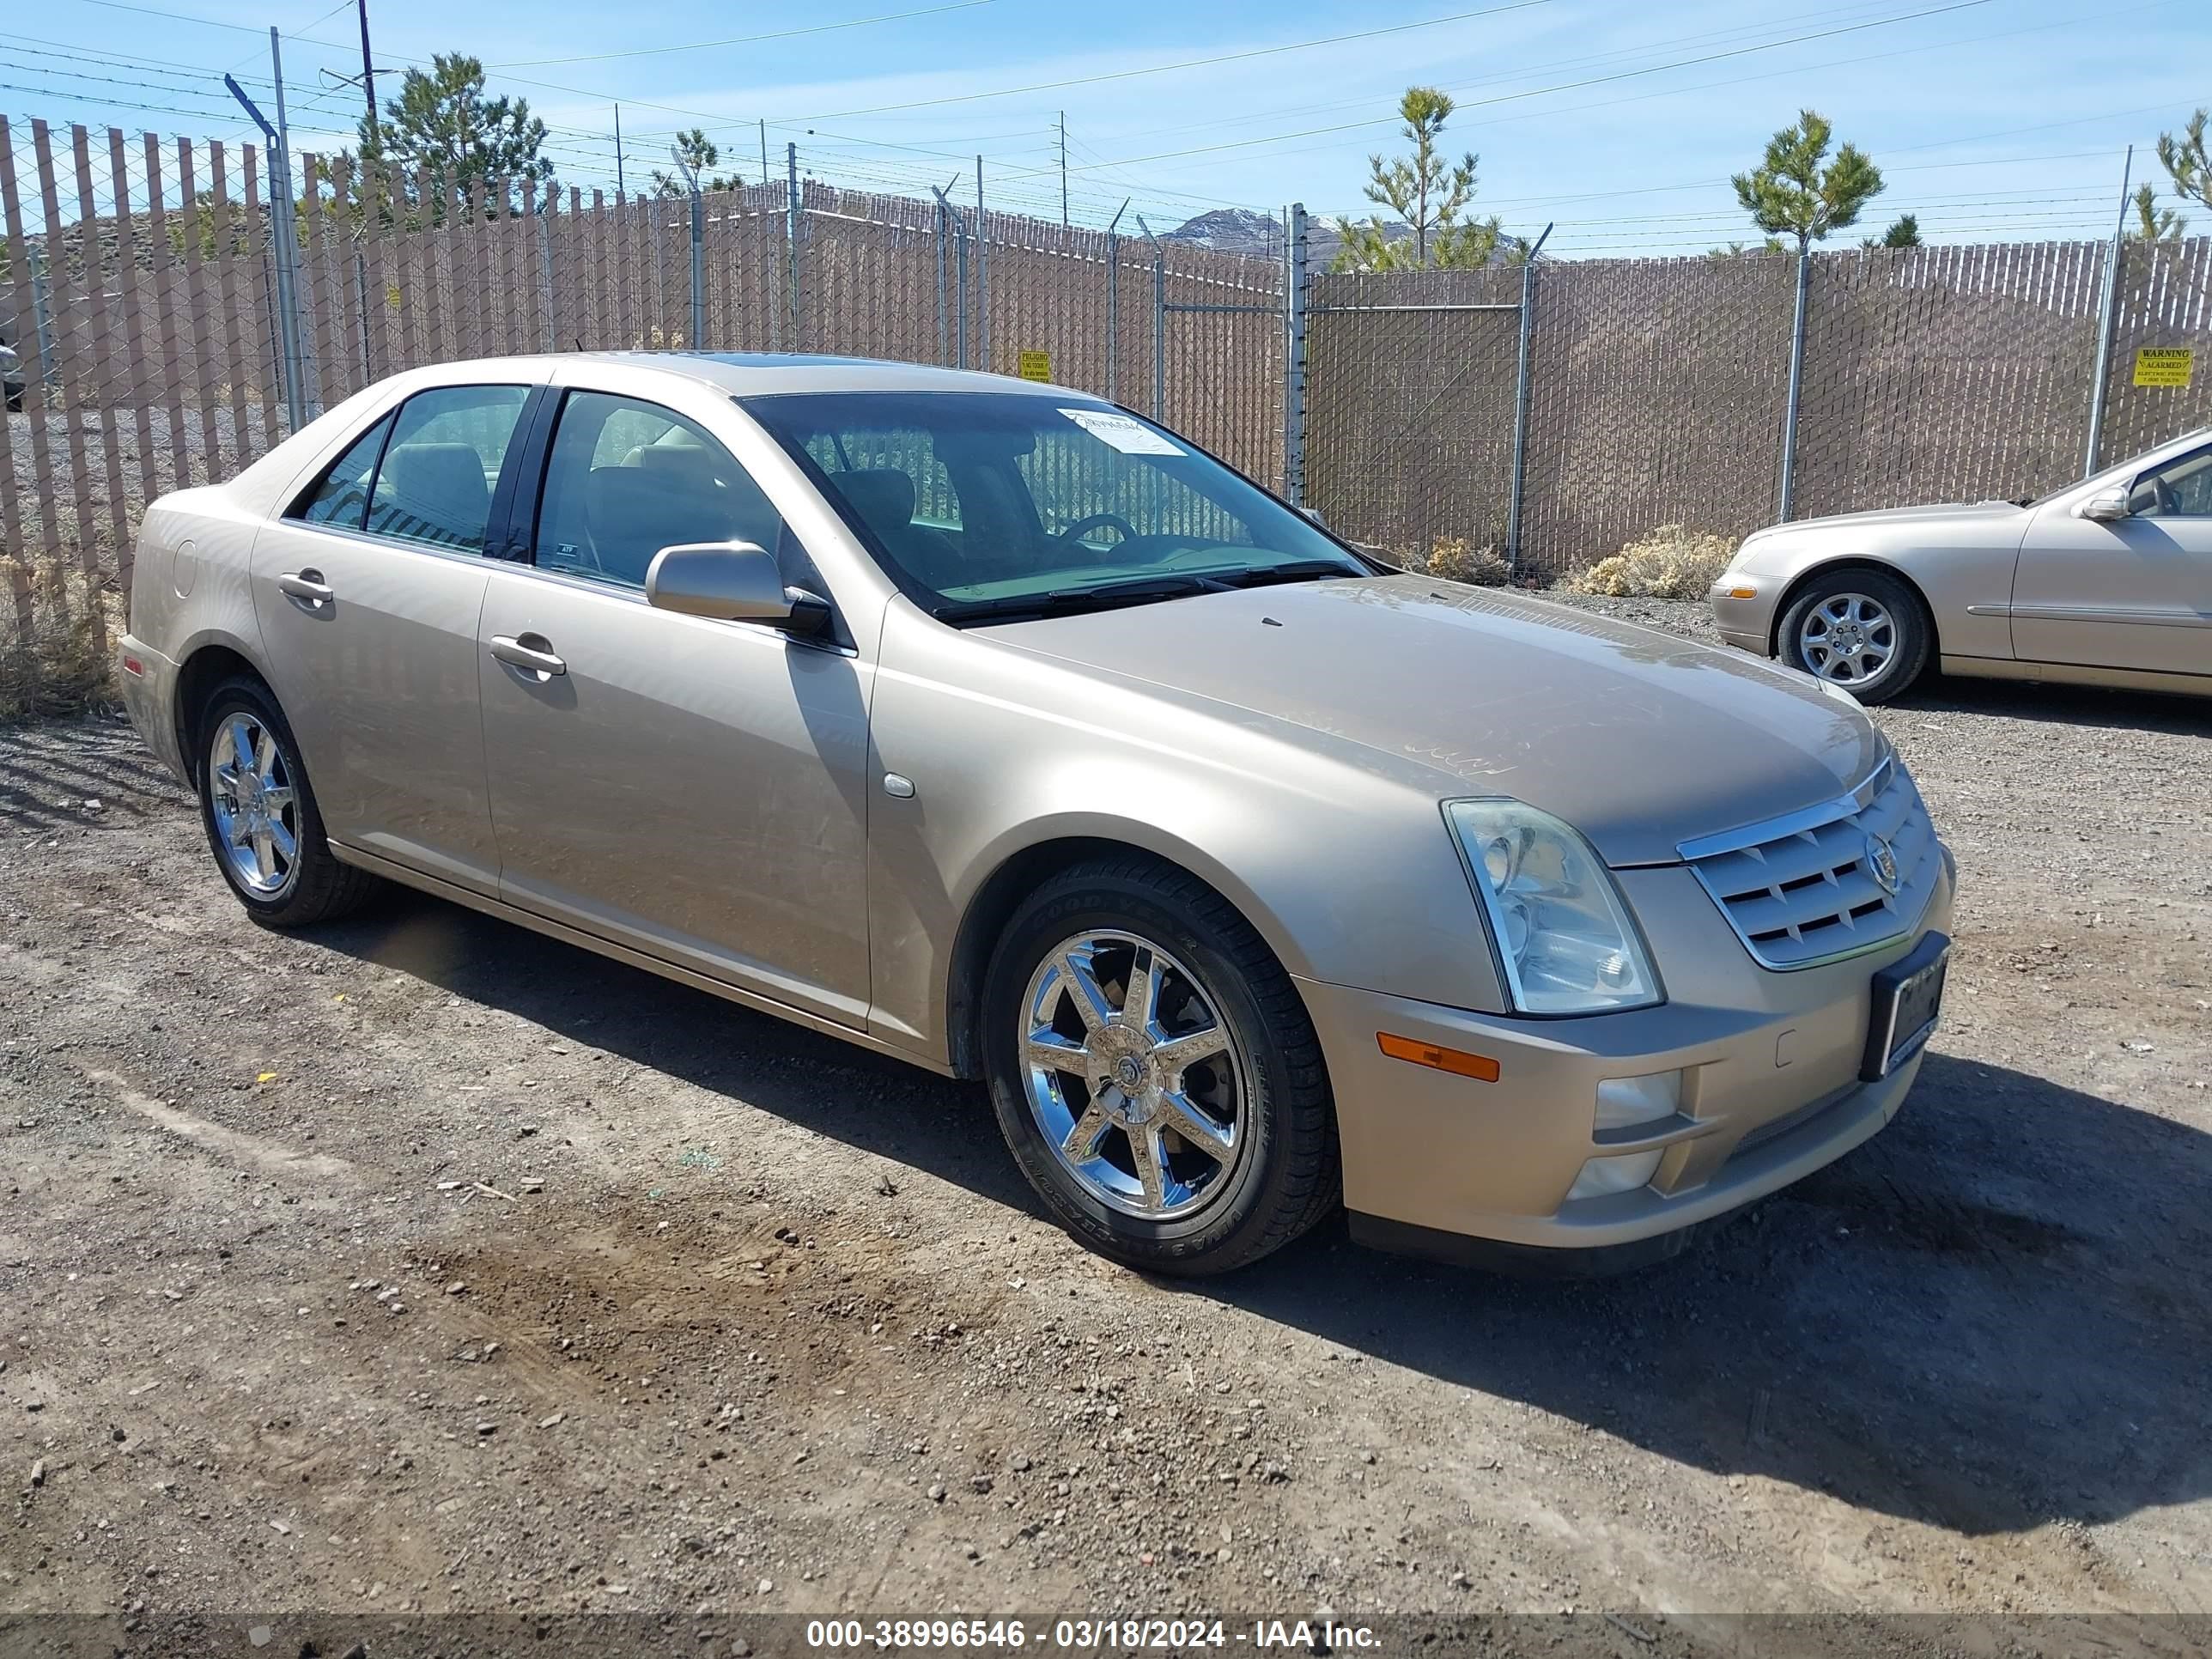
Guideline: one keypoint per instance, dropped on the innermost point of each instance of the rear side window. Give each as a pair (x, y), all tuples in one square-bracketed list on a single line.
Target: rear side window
[(435, 483), (341, 497)]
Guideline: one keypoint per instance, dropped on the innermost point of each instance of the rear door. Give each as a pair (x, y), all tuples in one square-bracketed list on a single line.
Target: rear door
[(367, 590), (2133, 594), (693, 788)]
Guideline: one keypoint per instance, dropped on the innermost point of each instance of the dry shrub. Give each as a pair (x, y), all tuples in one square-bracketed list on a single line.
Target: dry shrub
[(61, 666), (1672, 563), (1454, 560)]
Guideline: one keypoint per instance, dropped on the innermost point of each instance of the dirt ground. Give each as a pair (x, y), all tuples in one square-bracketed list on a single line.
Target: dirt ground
[(423, 1264)]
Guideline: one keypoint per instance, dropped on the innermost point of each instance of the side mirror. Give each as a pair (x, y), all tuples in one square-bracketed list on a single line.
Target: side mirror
[(2106, 506), (730, 582)]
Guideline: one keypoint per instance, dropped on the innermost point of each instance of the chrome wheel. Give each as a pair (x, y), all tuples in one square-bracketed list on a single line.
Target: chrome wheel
[(1848, 638), (1132, 1075), (255, 806)]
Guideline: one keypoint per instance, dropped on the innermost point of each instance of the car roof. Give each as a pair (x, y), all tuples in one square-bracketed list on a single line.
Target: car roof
[(760, 374)]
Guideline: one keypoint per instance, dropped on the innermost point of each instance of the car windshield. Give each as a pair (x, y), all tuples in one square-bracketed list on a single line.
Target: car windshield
[(992, 506)]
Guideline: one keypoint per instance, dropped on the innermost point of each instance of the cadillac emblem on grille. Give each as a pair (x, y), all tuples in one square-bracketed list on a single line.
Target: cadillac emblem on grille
[(1881, 865)]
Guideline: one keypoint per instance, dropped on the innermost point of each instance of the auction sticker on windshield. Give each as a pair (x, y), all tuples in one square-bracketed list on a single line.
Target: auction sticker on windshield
[(1131, 437)]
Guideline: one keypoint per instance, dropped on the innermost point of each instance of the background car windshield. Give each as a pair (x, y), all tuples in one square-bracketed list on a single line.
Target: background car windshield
[(997, 496)]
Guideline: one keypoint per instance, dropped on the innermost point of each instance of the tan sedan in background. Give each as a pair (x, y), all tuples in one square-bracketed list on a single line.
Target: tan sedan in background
[(1002, 731), (2107, 582)]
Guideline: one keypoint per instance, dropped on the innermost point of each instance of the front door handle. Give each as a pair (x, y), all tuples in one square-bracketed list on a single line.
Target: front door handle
[(530, 651), (307, 586)]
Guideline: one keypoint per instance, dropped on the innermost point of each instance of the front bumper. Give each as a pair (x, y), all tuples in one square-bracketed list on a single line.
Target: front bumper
[(1743, 610), (150, 693), (1771, 1090)]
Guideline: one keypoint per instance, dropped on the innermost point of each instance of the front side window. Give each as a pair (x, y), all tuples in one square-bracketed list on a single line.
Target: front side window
[(998, 504), (435, 484), (2182, 488), (627, 478), (341, 498)]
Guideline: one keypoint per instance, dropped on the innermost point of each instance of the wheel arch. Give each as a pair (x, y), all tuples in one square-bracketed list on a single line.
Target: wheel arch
[(1805, 578), (1020, 873), (205, 666)]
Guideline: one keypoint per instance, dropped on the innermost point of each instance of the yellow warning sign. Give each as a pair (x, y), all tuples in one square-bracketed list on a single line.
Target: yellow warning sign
[(1037, 366), (2161, 365)]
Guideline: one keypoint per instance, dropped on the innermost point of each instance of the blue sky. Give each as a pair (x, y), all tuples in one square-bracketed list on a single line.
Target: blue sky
[(1992, 119)]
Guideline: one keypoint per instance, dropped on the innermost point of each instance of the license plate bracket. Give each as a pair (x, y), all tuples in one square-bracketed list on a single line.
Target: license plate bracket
[(1908, 999)]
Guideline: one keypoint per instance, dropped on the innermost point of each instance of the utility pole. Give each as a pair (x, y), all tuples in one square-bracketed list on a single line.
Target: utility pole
[(1063, 169), (763, 149), (619, 192), (367, 72)]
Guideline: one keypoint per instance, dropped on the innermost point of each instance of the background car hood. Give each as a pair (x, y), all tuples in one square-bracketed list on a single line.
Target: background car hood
[(1944, 513), (1639, 739)]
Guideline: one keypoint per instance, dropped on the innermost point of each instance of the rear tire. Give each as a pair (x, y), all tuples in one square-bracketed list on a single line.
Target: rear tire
[(1861, 629), (259, 813), (1227, 1053)]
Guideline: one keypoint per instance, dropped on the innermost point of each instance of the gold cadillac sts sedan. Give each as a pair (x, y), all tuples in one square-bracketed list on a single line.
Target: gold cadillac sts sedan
[(1000, 730)]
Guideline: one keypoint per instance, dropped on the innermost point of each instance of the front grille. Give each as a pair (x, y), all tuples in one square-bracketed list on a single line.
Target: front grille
[(1803, 889)]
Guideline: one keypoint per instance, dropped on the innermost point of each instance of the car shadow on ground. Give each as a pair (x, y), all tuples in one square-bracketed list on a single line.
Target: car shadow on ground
[(2063, 705), (1992, 1316)]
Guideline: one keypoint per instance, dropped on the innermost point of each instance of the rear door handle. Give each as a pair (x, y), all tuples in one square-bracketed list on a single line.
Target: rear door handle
[(307, 586), (530, 651)]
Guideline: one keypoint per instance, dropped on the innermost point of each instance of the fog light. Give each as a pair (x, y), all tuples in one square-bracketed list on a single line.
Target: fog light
[(1601, 1176), (1625, 1101), (1628, 1102)]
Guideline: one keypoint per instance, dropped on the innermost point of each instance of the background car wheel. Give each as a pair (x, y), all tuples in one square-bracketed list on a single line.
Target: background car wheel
[(259, 813), (1154, 1071), (1861, 629)]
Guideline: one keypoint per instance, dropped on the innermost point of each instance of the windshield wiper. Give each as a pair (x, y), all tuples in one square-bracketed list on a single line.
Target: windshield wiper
[(1298, 570), (1066, 601)]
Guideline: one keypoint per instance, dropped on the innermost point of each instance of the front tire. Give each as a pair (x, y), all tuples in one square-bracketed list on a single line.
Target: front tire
[(1154, 1071), (259, 813), (1861, 629)]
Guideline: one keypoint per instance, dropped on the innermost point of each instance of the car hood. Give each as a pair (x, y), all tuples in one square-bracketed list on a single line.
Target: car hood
[(1639, 738), (1947, 512)]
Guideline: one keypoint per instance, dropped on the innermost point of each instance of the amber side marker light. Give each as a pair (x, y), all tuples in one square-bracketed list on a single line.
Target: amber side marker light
[(1457, 1061), (1744, 592)]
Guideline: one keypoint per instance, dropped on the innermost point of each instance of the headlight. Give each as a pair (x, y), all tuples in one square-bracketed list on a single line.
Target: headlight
[(1564, 937)]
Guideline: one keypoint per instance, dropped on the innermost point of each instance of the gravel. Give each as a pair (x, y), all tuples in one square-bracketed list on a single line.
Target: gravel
[(246, 1175)]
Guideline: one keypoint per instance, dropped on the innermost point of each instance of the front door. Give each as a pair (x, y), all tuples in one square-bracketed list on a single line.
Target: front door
[(689, 787), (2132, 593), (368, 592)]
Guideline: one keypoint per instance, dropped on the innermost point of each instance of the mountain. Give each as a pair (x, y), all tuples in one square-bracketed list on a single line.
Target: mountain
[(1259, 235)]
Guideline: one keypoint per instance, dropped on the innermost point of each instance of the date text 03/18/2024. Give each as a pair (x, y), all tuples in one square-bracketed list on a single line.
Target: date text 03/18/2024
[(1088, 1635)]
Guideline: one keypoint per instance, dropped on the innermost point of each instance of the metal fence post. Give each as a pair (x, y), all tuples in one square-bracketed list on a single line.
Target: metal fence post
[(1517, 491), (946, 210), (791, 228), (1113, 302), (2108, 317), (1294, 357), (698, 266), (944, 324), (1159, 322), (983, 276), (545, 267), (1796, 387)]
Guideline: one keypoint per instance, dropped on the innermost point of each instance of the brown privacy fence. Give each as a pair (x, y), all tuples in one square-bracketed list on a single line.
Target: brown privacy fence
[(168, 338)]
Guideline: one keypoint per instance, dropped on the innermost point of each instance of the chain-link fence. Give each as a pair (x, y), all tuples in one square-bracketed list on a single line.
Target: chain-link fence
[(1657, 390), (1551, 412)]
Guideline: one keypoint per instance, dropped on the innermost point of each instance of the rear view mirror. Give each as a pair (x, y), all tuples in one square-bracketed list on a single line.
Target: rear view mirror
[(1314, 514), (2106, 506), (730, 582)]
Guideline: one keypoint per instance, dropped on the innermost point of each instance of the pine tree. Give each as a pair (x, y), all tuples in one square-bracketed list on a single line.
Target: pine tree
[(2187, 162), (1428, 192), (1904, 232), (1796, 191), (2154, 223), (442, 124)]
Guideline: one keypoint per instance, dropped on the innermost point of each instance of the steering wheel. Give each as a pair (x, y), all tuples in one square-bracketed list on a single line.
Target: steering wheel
[(1097, 521)]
